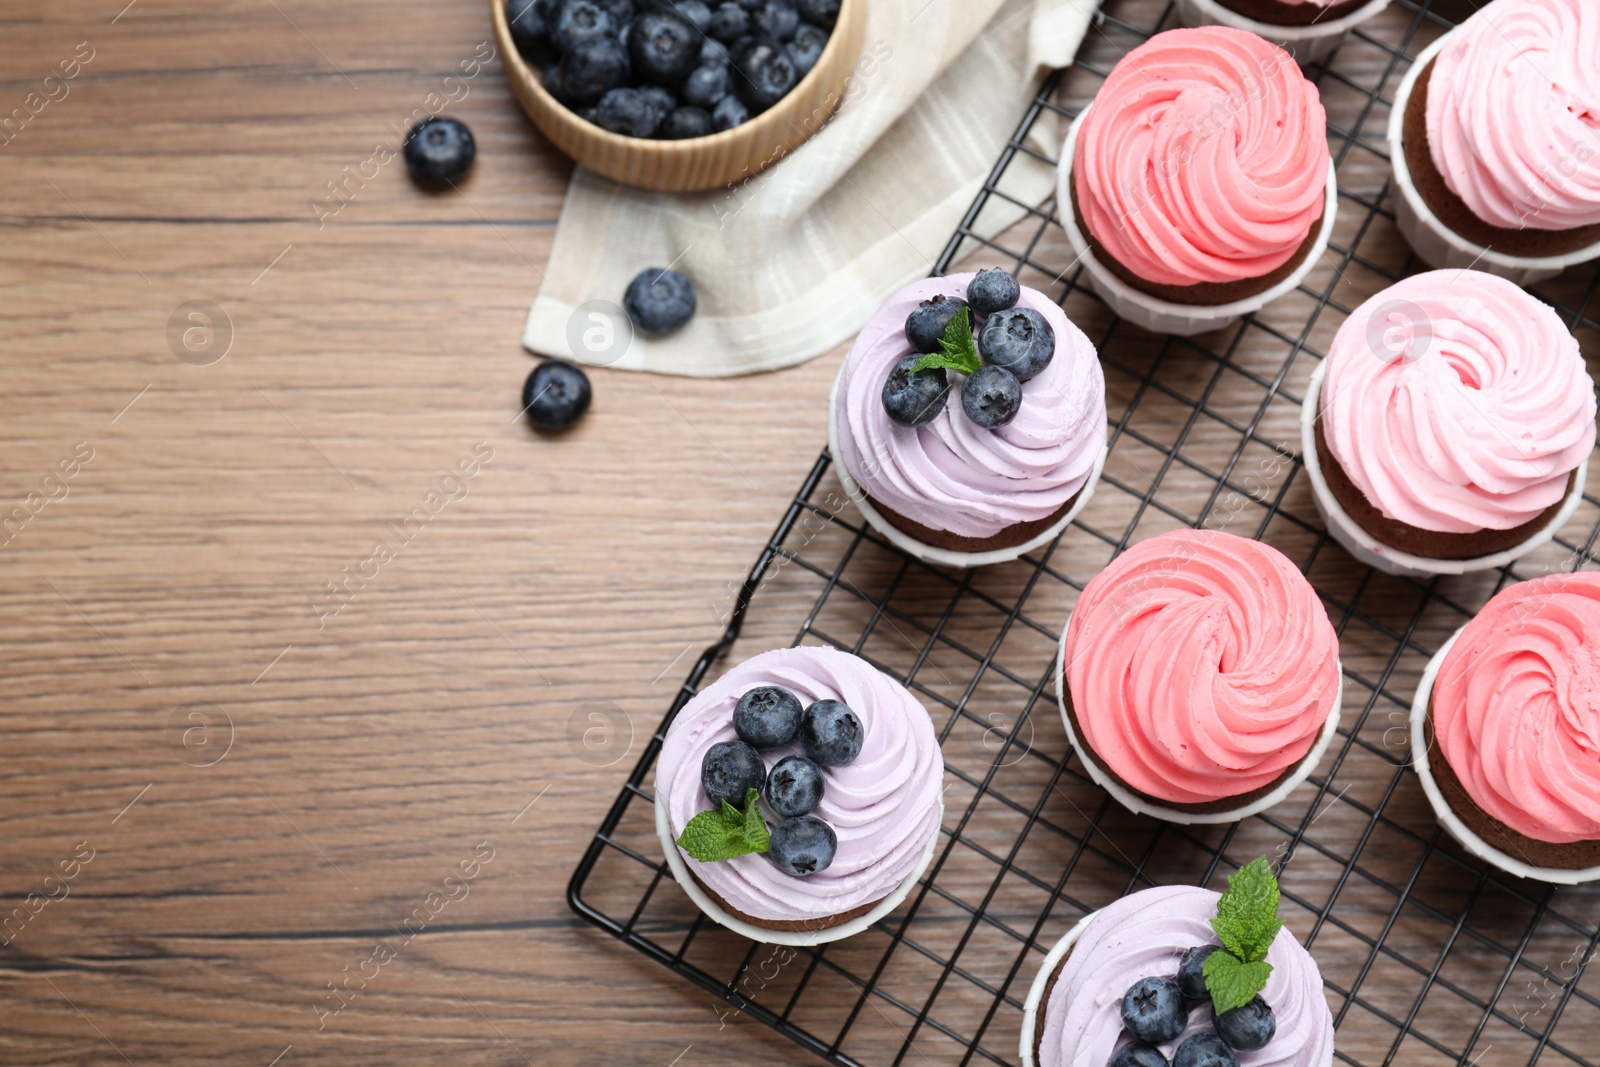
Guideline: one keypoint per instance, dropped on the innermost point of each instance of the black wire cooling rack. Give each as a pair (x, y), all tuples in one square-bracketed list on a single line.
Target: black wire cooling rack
[(1429, 956)]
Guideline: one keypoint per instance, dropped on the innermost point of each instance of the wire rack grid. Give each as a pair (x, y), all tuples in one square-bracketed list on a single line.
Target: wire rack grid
[(1428, 956)]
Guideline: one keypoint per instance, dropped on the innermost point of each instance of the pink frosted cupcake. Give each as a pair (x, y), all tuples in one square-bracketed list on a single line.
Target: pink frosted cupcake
[(1494, 140), (1199, 677), (1200, 175), (1450, 426), (1508, 722)]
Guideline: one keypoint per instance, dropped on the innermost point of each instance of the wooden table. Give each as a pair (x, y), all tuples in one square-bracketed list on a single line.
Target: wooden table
[(418, 720)]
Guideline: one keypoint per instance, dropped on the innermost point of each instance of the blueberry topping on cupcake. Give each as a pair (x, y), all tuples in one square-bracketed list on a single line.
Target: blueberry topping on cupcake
[(830, 733), (794, 787), (992, 397), (927, 324), (803, 846), (729, 770), (1249, 1027), (439, 150), (556, 395), (1138, 1054), (1153, 1010), (1204, 1050), (1191, 971), (913, 397), (767, 717), (659, 301), (1018, 339), (992, 291)]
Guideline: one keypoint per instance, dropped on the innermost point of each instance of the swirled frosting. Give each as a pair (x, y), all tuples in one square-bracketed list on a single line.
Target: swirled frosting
[(1514, 114), (884, 806), (1456, 402), (1203, 159), (1516, 708), (1201, 666), (952, 474), (1142, 936)]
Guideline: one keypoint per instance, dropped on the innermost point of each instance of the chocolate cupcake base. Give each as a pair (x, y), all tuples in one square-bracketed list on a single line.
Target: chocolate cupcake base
[(1010, 537), (1033, 1007), (1477, 831), (1222, 810)]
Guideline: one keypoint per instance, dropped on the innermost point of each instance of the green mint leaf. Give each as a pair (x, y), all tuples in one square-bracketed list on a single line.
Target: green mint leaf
[(1232, 982), (959, 349), (940, 361), (1247, 913), (726, 833)]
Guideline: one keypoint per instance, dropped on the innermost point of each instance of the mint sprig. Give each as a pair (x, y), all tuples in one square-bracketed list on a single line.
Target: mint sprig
[(726, 832), (959, 349), (1246, 923)]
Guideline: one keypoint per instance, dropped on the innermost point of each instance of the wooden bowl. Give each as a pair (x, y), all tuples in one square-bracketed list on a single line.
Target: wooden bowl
[(702, 162)]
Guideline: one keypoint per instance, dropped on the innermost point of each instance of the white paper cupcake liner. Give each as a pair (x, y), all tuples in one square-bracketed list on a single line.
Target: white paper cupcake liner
[(944, 556), (1165, 316), (1441, 808), (1434, 242), (1308, 44), (1033, 1007), (1141, 806), (798, 938), (1369, 550)]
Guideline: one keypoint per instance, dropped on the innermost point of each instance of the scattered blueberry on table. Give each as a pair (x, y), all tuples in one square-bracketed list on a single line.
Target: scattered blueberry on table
[(659, 301), (439, 150), (556, 395), (723, 61)]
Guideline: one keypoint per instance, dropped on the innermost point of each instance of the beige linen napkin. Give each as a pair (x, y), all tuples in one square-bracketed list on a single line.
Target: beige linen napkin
[(794, 261)]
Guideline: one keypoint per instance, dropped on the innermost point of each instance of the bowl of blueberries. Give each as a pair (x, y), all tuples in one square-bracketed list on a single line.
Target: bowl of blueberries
[(679, 94)]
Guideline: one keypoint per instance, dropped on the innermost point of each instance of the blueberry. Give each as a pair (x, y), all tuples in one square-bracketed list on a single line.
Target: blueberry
[(698, 12), (659, 301), (621, 10), (822, 13), (582, 21), (1018, 339), (729, 22), (1153, 1010), (993, 290), (439, 150), (729, 112), (767, 717), (912, 398), (706, 86), (803, 846), (794, 787), (684, 123), (1138, 1054), (529, 21), (765, 72), (1248, 1027), (729, 771), (777, 19), (628, 112), (713, 51), (1204, 1050), (751, 5), (660, 99), (1191, 972), (992, 397), (556, 395), (830, 733), (589, 72), (664, 47), (806, 48), (926, 325)]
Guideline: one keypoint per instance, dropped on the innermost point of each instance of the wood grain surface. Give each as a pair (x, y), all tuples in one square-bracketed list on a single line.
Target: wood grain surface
[(374, 346)]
